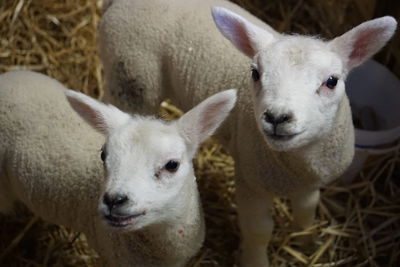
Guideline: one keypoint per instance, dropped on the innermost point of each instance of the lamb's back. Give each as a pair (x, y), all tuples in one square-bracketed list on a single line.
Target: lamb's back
[(157, 49)]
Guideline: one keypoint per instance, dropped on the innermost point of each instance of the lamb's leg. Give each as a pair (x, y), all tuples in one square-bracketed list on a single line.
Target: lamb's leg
[(256, 227), (304, 206)]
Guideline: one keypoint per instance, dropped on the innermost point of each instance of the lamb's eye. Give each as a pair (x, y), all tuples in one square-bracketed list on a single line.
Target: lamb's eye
[(172, 166), (255, 75), (331, 82), (103, 155)]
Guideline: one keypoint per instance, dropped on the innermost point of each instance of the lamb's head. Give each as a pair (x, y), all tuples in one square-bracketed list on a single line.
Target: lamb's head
[(149, 175), (298, 81)]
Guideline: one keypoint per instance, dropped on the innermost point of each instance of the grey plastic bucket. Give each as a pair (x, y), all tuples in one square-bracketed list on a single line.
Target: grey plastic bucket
[(374, 94)]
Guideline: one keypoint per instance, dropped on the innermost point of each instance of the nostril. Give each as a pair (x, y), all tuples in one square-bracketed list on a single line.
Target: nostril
[(120, 199), (283, 118), (114, 200), (107, 200), (269, 117)]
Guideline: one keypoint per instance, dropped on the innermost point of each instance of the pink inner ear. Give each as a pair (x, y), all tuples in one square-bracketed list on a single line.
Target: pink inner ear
[(363, 44), (244, 41), (210, 118), (235, 30)]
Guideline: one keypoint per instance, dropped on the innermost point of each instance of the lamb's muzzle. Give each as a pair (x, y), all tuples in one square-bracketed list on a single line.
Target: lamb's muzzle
[(112, 209)]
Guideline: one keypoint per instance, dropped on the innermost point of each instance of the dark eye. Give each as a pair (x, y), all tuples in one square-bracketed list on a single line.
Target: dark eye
[(172, 166), (331, 82), (103, 154), (255, 75)]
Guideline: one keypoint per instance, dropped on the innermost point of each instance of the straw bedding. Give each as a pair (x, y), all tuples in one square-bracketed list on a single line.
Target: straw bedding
[(357, 225)]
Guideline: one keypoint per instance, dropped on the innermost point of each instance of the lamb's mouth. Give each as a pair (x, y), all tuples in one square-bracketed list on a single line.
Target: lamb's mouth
[(280, 137), (122, 221)]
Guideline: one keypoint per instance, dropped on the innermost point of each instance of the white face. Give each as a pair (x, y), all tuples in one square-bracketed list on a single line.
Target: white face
[(298, 81), (146, 167), (295, 92), (149, 175)]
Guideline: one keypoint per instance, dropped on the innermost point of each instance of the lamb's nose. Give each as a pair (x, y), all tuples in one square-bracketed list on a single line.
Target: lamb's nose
[(276, 119), (114, 201)]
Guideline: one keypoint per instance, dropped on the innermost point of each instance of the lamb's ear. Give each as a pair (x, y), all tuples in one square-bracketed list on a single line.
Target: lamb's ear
[(244, 35), (201, 122), (100, 116), (363, 41)]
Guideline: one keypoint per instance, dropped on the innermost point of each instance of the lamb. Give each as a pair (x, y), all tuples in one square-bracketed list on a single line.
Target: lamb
[(146, 211), (292, 130)]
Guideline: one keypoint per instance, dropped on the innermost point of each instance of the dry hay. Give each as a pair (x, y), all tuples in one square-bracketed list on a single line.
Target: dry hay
[(53, 37), (357, 225)]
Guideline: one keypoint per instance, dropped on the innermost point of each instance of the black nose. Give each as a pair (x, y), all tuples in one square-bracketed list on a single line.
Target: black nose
[(276, 119), (114, 201)]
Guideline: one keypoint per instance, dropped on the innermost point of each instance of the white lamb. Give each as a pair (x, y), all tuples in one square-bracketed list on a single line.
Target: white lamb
[(149, 212), (291, 132)]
